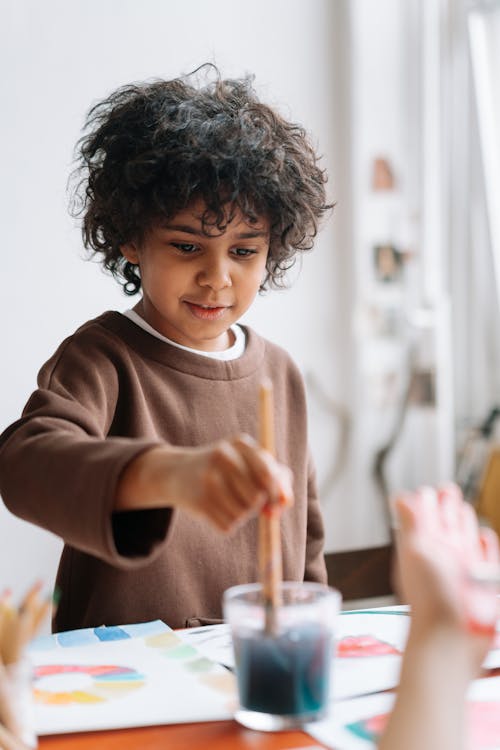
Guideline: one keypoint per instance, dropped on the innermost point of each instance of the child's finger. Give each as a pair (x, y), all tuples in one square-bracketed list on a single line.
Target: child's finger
[(450, 512), (219, 504), (266, 471), (44, 608), (483, 584), (286, 499), (451, 489), (237, 476), (484, 572), (30, 599), (469, 535), (489, 545), (426, 502), (406, 512)]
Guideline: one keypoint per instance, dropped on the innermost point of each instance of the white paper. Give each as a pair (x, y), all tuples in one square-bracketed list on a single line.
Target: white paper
[(376, 640), (168, 682), (352, 719)]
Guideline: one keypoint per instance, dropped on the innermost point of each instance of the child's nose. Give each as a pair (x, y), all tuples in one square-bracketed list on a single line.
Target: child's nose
[(215, 274)]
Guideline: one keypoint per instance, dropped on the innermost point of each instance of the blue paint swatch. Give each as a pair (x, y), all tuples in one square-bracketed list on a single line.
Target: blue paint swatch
[(86, 636), (142, 629), (76, 637), (284, 674), (42, 643), (112, 633)]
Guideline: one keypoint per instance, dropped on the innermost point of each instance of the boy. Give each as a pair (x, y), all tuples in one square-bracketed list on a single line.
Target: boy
[(197, 196)]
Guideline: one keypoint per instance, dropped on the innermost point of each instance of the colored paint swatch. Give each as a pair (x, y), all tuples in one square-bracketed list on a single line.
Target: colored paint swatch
[(103, 682), (364, 645), (370, 728)]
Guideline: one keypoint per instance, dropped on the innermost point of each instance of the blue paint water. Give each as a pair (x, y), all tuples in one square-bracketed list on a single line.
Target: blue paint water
[(284, 674)]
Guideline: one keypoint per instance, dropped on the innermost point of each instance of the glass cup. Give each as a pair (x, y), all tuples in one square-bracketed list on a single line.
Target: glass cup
[(283, 664)]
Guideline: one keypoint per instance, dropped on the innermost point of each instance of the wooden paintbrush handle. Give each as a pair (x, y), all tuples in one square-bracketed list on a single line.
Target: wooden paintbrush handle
[(270, 558)]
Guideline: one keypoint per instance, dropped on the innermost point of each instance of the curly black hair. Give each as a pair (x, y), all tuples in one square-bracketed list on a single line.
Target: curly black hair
[(151, 148)]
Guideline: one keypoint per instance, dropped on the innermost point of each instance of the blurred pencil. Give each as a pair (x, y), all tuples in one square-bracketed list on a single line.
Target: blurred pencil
[(2, 618), (49, 605), (8, 634), (27, 612), (270, 560), (19, 625), (9, 742)]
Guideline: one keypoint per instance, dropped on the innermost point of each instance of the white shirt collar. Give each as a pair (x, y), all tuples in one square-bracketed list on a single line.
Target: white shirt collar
[(234, 351)]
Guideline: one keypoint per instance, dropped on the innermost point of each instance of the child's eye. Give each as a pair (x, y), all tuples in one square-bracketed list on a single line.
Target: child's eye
[(243, 252), (185, 247)]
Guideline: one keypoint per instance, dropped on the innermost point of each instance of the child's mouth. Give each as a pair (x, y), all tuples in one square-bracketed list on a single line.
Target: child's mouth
[(205, 312)]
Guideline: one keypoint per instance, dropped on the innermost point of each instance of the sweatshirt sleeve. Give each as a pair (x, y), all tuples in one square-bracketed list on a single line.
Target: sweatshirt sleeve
[(59, 468), (315, 568)]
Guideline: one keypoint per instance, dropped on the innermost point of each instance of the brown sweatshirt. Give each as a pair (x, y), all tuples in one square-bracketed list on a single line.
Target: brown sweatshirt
[(110, 392)]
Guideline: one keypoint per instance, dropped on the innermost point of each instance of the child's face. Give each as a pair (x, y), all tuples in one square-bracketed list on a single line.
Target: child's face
[(196, 285)]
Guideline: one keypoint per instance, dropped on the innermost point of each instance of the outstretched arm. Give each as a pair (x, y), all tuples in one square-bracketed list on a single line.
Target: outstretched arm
[(224, 482), (440, 547)]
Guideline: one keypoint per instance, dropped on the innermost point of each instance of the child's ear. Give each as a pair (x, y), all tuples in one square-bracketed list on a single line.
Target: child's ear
[(129, 251)]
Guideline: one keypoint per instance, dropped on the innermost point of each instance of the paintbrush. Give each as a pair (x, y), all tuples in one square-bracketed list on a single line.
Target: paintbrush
[(270, 561)]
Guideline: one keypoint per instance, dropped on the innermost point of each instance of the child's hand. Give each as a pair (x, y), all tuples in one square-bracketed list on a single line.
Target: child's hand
[(224, 482), (440, 548)]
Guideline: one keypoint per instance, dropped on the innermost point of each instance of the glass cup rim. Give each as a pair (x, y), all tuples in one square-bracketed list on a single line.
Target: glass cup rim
[(238, 592)]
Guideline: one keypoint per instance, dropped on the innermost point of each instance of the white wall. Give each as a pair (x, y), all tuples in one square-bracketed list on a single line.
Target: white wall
[(343, 68), (57, 59)]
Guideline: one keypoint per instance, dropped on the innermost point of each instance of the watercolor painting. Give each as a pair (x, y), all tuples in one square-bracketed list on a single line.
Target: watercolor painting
[(109, 678), (214, 641), (369, 648), (370, 728), (483, 719), (86, 636), (358, 634), (387, 626), (358, 723), (358, 646), (98, 683)]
